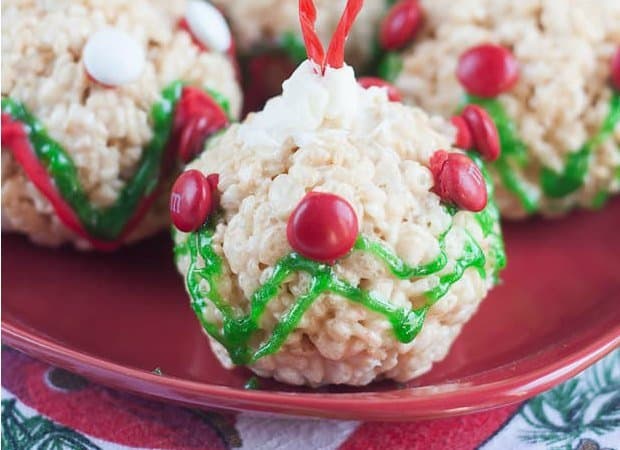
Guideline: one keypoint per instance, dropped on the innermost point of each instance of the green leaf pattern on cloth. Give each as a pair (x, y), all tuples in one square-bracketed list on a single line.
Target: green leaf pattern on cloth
[(580, 414), (20, 432)]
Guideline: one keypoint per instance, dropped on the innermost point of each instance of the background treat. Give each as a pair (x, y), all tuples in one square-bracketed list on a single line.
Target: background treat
[(558, 113), (337, 246), (104, 80)]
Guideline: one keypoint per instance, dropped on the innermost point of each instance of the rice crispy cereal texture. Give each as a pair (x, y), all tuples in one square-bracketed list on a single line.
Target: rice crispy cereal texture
[(258, 21), (104, 130), (564, 49), (330, 135)]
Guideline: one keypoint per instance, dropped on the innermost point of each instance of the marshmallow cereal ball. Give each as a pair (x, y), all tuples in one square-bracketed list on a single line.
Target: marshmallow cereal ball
[(101, 102), (544, 71), (335, 237)]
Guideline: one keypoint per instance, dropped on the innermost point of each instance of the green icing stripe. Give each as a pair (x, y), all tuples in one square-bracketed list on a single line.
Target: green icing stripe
[(293, 45), (397, 266), (488, 219), (239, 329), (553, 184), (390, 65), (572, 177), (106, 223), (473, 256), (514, 153), (103, 223)]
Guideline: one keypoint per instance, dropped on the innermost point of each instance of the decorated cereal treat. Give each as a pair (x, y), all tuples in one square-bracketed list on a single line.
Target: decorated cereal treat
[(337, 236), (547, 72), (101, 102)]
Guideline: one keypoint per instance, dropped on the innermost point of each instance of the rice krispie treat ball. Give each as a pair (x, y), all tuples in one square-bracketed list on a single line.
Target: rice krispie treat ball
[(100, 102), (542, 69), (336, 236)]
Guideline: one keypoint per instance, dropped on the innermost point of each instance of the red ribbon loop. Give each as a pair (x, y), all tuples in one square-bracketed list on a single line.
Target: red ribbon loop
[(314, 48), (335, 52)]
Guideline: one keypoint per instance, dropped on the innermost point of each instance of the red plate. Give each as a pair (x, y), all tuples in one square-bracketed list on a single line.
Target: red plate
[(115, 318)]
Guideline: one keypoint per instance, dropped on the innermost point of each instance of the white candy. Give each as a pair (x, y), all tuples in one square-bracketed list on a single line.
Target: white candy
[(208, 25), (112, 57)]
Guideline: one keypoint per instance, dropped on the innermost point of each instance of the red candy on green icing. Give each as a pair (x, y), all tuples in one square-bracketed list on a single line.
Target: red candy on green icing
[(615, 70), (487, 70), (323, 227), (190, 201), (393, 93), (400, 25), (458, 180), (54, 174), (463, 135), (52, 171), (483, 132), (197, 116)]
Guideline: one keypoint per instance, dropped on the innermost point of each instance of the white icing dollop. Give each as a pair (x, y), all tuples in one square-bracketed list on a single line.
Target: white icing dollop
[(309, 99), (208, 25), (113, 57)]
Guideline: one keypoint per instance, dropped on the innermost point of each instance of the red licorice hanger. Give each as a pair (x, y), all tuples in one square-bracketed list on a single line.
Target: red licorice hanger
[(307, 18), (335, 52)]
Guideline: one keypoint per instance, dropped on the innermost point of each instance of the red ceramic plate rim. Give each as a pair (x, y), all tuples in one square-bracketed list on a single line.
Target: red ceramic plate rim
[(406, 404)]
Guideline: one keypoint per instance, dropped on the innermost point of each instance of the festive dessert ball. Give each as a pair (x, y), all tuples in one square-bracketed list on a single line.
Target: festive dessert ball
[(336, 236), (101, 101), (543, 70)]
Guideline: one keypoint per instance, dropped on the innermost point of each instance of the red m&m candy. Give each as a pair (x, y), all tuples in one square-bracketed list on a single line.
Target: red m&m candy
[(323, 227), (393, 93), (213, 180), (196, 117), (400, 25), (615, 70), (487, 70), (463, 135), (191, 201), (458, 180), (475, 129), (483, 131)]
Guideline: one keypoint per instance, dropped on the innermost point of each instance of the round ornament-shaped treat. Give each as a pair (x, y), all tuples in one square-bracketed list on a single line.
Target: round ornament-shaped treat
[(351, 240), (101, 104), (548, 74)]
